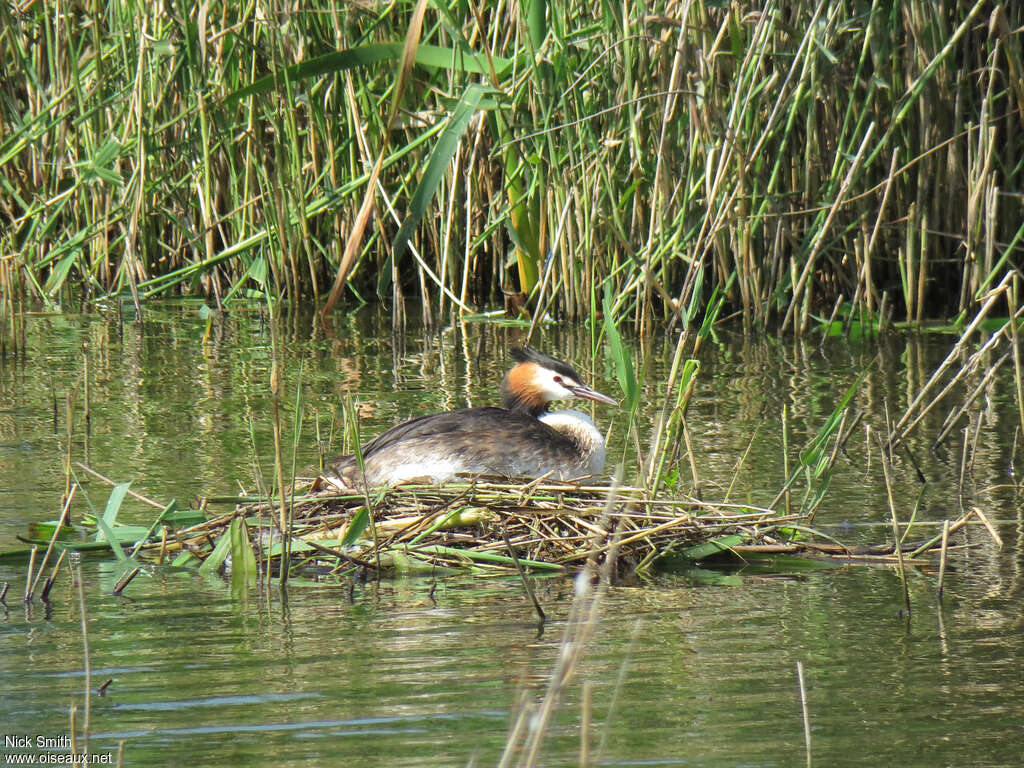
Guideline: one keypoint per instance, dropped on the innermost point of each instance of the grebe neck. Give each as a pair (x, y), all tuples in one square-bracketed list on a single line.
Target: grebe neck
[(584, 434)]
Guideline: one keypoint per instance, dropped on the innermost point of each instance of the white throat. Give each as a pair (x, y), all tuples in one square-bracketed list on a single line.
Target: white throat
[(580, 428)]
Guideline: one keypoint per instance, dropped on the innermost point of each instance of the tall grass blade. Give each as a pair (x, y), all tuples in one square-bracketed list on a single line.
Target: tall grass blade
[(433, 174), (355, 239), (624, 370)]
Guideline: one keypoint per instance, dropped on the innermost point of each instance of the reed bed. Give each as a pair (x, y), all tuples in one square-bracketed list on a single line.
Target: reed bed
[(816, 161)]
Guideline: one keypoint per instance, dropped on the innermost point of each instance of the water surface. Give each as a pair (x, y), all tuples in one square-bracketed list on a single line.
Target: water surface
[(430, 671)]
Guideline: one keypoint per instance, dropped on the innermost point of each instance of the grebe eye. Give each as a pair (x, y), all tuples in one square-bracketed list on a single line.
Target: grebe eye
[(558, 379)]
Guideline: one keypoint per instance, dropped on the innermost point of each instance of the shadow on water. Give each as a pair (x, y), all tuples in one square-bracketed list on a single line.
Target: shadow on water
[(428, 672)]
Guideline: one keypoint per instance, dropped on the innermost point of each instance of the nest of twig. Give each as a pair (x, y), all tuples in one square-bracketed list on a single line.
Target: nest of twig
[(485, 525)]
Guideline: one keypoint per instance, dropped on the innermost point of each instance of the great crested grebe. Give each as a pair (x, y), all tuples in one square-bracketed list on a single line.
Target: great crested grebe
[(521, 440)]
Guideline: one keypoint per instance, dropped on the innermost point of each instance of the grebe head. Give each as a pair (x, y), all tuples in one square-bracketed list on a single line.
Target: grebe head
[(536, 379)]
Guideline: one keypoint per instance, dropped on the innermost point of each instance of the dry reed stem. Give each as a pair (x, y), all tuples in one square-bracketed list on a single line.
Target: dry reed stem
[(29, 572), (887, 471), (1018, 369), (819, 239), (125, 580), (908, 420), (108, 481), (988, 526), (45, 594), (805, 710), (579, 628), (944, 553), (954, 415), (49, 547), (85, 659)]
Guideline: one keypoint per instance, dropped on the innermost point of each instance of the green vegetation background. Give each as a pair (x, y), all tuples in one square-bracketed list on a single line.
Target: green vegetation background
[(855, 159)]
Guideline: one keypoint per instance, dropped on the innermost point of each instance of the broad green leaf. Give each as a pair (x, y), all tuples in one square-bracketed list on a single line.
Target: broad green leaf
[(713, 547), (185, 559), (107, 533), (709, 577), (44, 531), (365, 55), (488, 557), (355, 529), (59, 273), (117, 494), (243, 560), (220, 553)]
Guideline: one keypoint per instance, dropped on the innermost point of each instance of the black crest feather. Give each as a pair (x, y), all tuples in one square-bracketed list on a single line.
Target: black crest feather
[(531, 355)]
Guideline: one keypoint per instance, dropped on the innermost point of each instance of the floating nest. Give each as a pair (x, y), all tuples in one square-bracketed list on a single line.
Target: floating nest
[(482, 525)]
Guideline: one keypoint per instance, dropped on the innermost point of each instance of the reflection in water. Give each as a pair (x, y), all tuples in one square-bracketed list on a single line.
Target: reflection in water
[(399, 673), (424, 672)]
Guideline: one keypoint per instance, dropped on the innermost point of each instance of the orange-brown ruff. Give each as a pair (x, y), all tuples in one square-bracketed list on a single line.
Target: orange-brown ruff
[(521, 440)]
